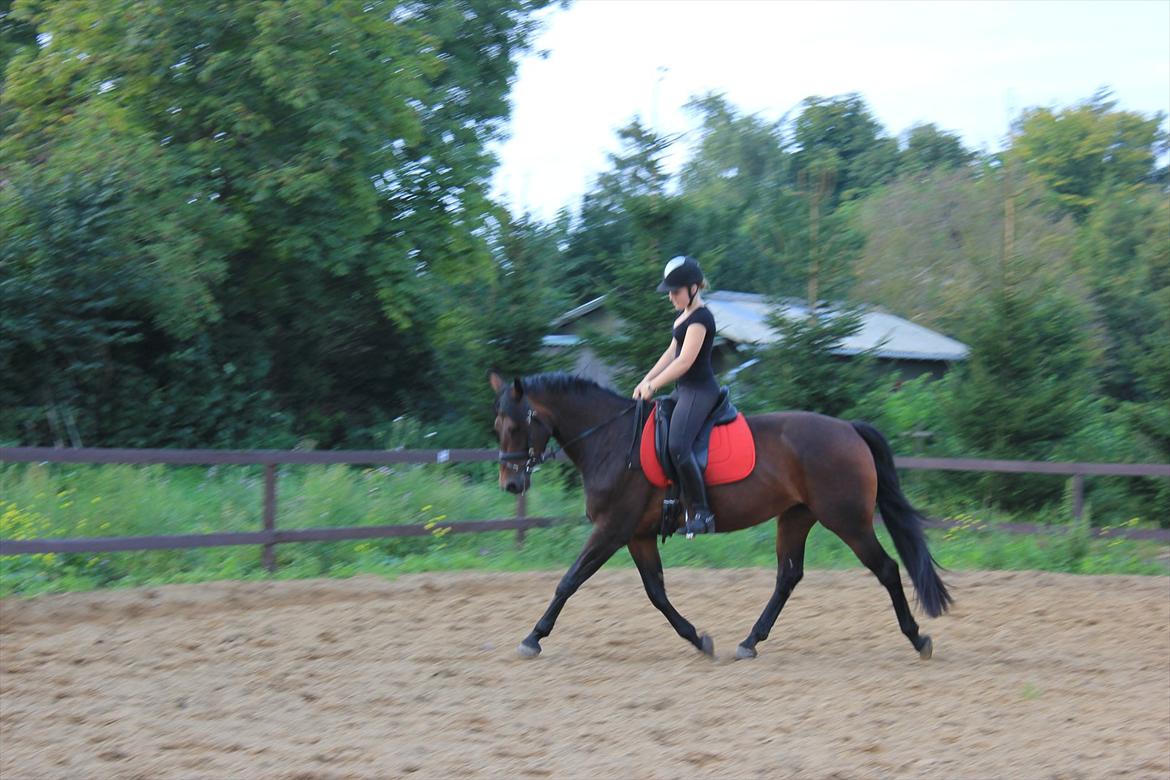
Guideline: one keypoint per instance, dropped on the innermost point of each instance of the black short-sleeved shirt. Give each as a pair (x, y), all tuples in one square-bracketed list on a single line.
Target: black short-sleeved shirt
[(700, 375)]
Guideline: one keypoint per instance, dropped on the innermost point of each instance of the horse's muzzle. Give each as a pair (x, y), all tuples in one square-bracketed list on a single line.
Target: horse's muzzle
[(515, 481)]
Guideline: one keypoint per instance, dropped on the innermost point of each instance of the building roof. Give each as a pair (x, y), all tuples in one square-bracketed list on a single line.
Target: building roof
[(580, 311), (742, 318)]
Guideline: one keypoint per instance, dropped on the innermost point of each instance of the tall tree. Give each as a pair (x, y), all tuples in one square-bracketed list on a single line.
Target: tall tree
[(928, 148), (15, 34), (845, 128), (737, 210), (620, 206), (498, 323), (934, 244), (1026, 387), (763, 217), (1119, 251), (1083, 151), (637, 205), (1133, 303), (300, 178)]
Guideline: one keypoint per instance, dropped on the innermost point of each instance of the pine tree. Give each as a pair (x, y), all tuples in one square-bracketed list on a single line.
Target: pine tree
[(1024, 389), (642, 217), (803, 369)]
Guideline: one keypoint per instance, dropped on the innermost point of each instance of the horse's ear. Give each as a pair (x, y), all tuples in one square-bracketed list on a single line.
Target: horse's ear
[(517, 389), (496, 380)]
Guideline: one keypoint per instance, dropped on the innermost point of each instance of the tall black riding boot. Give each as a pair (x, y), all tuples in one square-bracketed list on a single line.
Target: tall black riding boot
[(700, 520)]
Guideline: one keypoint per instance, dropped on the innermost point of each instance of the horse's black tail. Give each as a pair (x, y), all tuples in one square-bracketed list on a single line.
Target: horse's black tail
[(905, 525)]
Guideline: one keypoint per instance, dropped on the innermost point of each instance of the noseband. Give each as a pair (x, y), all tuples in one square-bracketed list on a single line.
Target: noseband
[(531, 458)]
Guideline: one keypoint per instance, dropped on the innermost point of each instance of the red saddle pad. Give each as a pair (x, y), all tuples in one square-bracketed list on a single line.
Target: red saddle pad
[(731, 454)]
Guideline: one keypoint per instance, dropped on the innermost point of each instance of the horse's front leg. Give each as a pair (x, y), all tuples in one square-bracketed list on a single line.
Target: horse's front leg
[(599, 548), (644, 551)]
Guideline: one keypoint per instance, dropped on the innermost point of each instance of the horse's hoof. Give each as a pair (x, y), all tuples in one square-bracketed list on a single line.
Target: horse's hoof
[(927, 649), (707, 646), (528, 651), (743, 652)]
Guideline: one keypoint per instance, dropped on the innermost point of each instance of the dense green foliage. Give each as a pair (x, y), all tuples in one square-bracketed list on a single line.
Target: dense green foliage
[(241, 223), (267, 224)]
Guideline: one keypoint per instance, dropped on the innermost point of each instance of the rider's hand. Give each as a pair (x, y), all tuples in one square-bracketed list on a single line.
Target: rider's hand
[(644, 390)]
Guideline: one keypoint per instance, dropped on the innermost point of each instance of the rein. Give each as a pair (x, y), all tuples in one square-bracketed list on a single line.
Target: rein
[(532, 459)]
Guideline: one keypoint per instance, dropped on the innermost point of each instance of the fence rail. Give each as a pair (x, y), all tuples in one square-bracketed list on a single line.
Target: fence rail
[(270, 535), (238, 457)]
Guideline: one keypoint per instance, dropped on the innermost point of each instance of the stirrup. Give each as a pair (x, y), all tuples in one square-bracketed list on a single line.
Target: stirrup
[(702, 521)]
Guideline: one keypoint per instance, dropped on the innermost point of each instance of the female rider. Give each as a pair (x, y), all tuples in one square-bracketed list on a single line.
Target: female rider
[(687, 360)]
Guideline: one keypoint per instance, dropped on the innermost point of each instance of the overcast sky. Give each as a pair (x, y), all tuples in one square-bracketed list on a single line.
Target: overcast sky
[(968, 67)]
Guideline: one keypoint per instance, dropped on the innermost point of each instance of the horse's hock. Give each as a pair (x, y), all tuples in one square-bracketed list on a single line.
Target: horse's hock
[(1034, 675)]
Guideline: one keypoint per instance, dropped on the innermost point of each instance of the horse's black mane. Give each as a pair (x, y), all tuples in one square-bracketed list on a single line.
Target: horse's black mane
[(562, 383)]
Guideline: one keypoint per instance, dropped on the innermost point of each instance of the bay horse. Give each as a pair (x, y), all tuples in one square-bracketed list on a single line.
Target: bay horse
[(808, 468)]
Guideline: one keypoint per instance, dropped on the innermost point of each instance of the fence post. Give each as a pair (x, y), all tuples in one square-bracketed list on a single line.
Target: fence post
[(269, 552), (521, 515), (1078, 497)]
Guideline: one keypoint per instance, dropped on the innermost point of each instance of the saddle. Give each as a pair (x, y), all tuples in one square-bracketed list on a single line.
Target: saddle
[(722, 414), (724, 450)]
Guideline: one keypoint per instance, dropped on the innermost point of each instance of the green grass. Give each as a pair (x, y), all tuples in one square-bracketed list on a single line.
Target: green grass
[(38, 501)]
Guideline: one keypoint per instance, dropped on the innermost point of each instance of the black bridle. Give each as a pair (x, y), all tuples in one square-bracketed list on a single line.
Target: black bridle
[(532, 458)]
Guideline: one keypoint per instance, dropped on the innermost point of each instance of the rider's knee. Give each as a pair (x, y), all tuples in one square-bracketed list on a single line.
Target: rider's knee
[(680, 452)]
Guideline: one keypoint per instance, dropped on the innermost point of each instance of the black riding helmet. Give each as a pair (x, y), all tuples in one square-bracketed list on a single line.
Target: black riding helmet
[(681, 271)]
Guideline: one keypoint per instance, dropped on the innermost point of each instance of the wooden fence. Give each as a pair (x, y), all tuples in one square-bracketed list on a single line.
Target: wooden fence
[(270, 535)]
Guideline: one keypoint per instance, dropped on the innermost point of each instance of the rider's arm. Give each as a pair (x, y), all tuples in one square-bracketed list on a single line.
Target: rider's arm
[(692, 344)]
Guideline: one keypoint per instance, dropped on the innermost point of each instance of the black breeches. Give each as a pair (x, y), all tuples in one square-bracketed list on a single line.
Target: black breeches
[(690, 412)]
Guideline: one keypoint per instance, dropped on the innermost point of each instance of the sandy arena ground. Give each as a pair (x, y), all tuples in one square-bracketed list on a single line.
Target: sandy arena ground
[(1034, 676)]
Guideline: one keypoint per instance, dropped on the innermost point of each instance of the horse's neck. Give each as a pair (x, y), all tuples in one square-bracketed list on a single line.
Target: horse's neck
[(574, 416)]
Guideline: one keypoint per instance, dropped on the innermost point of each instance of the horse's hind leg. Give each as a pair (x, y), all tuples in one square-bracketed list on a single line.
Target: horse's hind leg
[(792, 529), (644, 551), (864, 543)]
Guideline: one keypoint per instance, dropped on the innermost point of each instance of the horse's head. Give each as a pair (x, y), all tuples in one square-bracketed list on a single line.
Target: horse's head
[(523, 437)]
